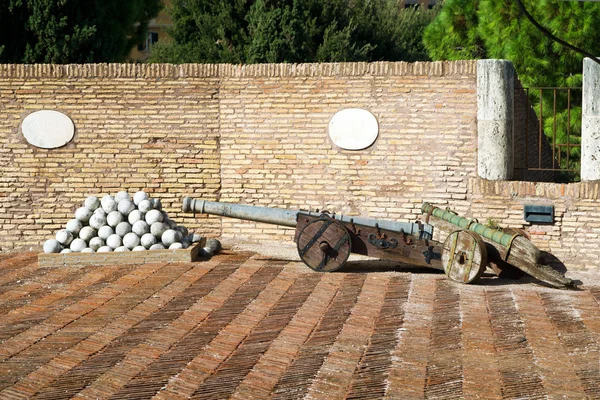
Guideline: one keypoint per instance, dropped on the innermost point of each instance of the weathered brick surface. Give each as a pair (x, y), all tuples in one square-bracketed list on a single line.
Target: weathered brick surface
[(248, 327)]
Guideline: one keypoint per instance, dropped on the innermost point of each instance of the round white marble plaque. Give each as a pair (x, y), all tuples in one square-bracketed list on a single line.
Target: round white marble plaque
[(353, 129), (48, 129)]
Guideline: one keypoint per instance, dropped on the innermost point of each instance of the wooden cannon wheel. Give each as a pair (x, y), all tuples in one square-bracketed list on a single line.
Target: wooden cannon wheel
[(324, 244), (464, 256)]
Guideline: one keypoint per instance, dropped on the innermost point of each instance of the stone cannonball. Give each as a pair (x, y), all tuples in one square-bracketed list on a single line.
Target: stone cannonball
[(77, 245), (153, 216), (105, 232), (214, 245), (148, 240), (135, 216), (157, 246), (125, 207), (109, 204), (97, 221), (83, 214), (156, 204), (145, 206), (121, 248), (67, 251), (157, 229), (182, 229), (52, 246), (185, 243), (170, 236), (122, 195), (88, 250), (139, 248), (123, 229), (74, 226), (92, 203), (87, 233), (100, 211), (194, 238), (131, 240), (176, 246), (206, 252), (104, 249), (140, 228), (114, 218), (114, 241), (139, 196), (96, 243), (64, 237)]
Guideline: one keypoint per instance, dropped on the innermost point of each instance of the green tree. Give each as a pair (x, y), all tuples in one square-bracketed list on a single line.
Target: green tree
[(72, 31), (209, 31)]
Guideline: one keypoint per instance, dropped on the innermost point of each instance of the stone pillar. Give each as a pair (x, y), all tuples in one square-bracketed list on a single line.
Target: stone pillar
[(495, 115), (590, 124)]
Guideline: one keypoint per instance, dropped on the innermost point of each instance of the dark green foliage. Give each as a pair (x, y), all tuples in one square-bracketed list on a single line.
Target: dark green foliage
[(257, 31), (72, 31), (496, 29)]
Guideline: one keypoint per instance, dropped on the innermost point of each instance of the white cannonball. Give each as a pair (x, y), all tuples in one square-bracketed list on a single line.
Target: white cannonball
[(109, 204), (214, 245), (52, 246), (64, 237), (145, 206), (114, 218), (185, 243), (176, 246), (156, 204), (157, 246), (97, 221), (121, 248), (140, 228), (135, 216), (105, 232), (87, 233), (83, 214), (148, 240), (139, 196), (170, 236), (96, 243), (77, 245), (122, 195), (104, 249), (131, 240), (92, 203), (66, 251), (114, 241), (100, 211), (195, 238), (182, 229), (74, 226), (87, 250), (123, 229), (157, 229), (139, 248), (125, 207), (153, 216)]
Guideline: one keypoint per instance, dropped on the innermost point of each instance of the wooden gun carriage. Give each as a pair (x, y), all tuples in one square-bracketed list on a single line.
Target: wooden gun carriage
[(325, 241)]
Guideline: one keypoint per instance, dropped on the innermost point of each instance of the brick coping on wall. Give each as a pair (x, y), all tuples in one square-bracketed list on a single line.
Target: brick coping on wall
[(547, 190), (183, 71)]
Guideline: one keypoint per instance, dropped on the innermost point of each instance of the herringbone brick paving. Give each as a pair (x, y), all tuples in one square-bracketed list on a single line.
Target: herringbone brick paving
[(244, 326)]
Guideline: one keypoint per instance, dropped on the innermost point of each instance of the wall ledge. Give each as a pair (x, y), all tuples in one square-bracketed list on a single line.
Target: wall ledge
[(183, 71), (546, 190)]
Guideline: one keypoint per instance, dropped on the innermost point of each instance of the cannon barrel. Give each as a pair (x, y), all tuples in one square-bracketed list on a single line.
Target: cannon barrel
[(284, 217), (516, 250)]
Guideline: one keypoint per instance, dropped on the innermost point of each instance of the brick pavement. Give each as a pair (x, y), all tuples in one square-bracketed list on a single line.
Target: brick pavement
[(245, 326)]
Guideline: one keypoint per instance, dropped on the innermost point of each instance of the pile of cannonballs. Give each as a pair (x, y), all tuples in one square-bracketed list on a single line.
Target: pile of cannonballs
[(124, 223)]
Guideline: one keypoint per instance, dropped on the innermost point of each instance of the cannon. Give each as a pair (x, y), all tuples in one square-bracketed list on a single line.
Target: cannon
[(325, 241)]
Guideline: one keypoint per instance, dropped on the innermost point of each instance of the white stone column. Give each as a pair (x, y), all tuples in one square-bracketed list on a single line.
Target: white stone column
[(590, 124), (495, 116)]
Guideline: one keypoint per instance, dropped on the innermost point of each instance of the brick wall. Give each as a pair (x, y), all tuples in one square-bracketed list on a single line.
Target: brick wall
[(259, 135)]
